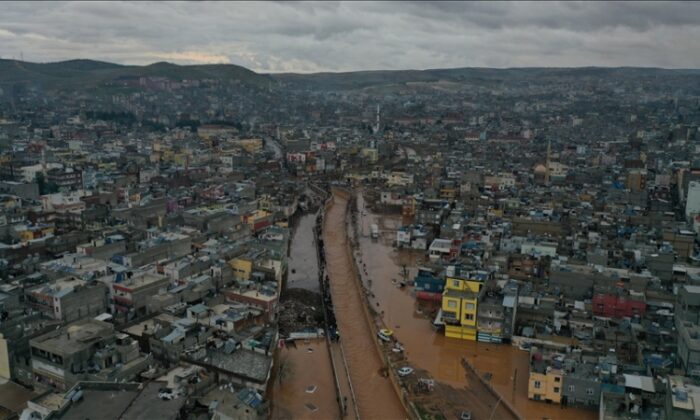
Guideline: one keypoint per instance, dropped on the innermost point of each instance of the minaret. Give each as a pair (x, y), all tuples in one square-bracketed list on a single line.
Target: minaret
[(43, 159), (376, 124), (549, 155)]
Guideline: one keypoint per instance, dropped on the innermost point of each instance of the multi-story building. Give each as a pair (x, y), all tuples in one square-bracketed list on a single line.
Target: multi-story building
[(428, 285), (496, 312), (264, 299), (130, 294), (682, 398), (582, 386), (459, 303), (546, 377), (68, 178), (85, 350), (618, 305), (68, 299), (692, 202), (687, 322)]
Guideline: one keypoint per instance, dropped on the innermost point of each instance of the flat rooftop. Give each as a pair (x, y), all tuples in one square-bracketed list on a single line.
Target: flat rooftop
[(74, 337), (141, 280), (243, 362), (149, 406), (100, 404)]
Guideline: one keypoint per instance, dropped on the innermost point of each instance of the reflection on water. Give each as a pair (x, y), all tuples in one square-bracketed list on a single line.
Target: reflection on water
[(375, 395), (303, 260), (429, 349)]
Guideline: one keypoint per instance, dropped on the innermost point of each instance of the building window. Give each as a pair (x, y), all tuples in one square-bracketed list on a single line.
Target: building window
[(451, 304), (470, 306), (571, 388), (455, 283), (469, 317), (556, 389), (538, 384), (557, 379), (590, 391)]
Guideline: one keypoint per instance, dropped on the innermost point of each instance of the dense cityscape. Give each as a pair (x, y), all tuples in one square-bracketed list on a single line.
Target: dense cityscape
[(210, 242)]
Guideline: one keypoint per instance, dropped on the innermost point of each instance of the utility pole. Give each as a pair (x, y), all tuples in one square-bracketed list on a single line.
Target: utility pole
[(494, 407)]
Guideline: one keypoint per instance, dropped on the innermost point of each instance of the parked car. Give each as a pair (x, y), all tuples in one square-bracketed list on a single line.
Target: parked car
[(465, 415), (405, 371), (385, 334)]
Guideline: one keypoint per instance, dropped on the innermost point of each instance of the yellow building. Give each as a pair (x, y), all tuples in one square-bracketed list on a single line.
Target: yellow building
[(35, 232), (372, 155), (250, 145), (459, 305), (448, 192), (253, 217), (242, 267), (545, 385), (178, 158)]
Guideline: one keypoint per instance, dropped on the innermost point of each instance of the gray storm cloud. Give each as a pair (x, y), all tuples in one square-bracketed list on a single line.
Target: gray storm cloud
[(316, 36)]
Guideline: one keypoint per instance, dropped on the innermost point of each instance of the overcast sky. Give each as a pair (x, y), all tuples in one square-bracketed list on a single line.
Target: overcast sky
[(310, 37)]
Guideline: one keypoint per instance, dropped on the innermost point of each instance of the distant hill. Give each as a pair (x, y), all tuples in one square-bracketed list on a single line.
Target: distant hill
[(364, 79), (86, 74), (89, 74)]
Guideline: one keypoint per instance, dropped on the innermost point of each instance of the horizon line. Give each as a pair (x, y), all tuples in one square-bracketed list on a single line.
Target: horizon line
[(268, 72)]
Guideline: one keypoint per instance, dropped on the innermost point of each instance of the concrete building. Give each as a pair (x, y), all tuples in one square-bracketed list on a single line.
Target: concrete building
[(69, 299), (688, 330), (581, 386), (460, 301), (130, 294), (682, 399), (546, 377), (692, 202), (496, 311), (84, 350)]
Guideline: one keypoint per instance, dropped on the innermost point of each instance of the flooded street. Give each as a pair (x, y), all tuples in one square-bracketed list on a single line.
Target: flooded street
[(301, 371), (375, 395), (430, 350), (304, 387), (303, 260)]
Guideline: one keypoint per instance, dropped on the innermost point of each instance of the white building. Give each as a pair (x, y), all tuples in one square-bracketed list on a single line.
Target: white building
[(692, 203), (439, 248)]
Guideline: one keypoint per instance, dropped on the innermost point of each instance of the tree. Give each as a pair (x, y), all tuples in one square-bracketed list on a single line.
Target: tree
[(285, 370)]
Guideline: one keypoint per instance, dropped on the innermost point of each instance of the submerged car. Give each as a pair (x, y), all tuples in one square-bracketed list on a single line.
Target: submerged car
[(405, 371), (385, 334)]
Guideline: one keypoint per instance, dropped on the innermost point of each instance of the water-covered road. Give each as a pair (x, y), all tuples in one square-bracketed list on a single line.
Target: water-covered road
[(376, 397), (431, 350)]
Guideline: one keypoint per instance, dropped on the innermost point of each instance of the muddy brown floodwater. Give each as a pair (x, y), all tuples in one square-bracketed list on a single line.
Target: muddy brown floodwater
[(376, 397), (430, 350), (304, 368)]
